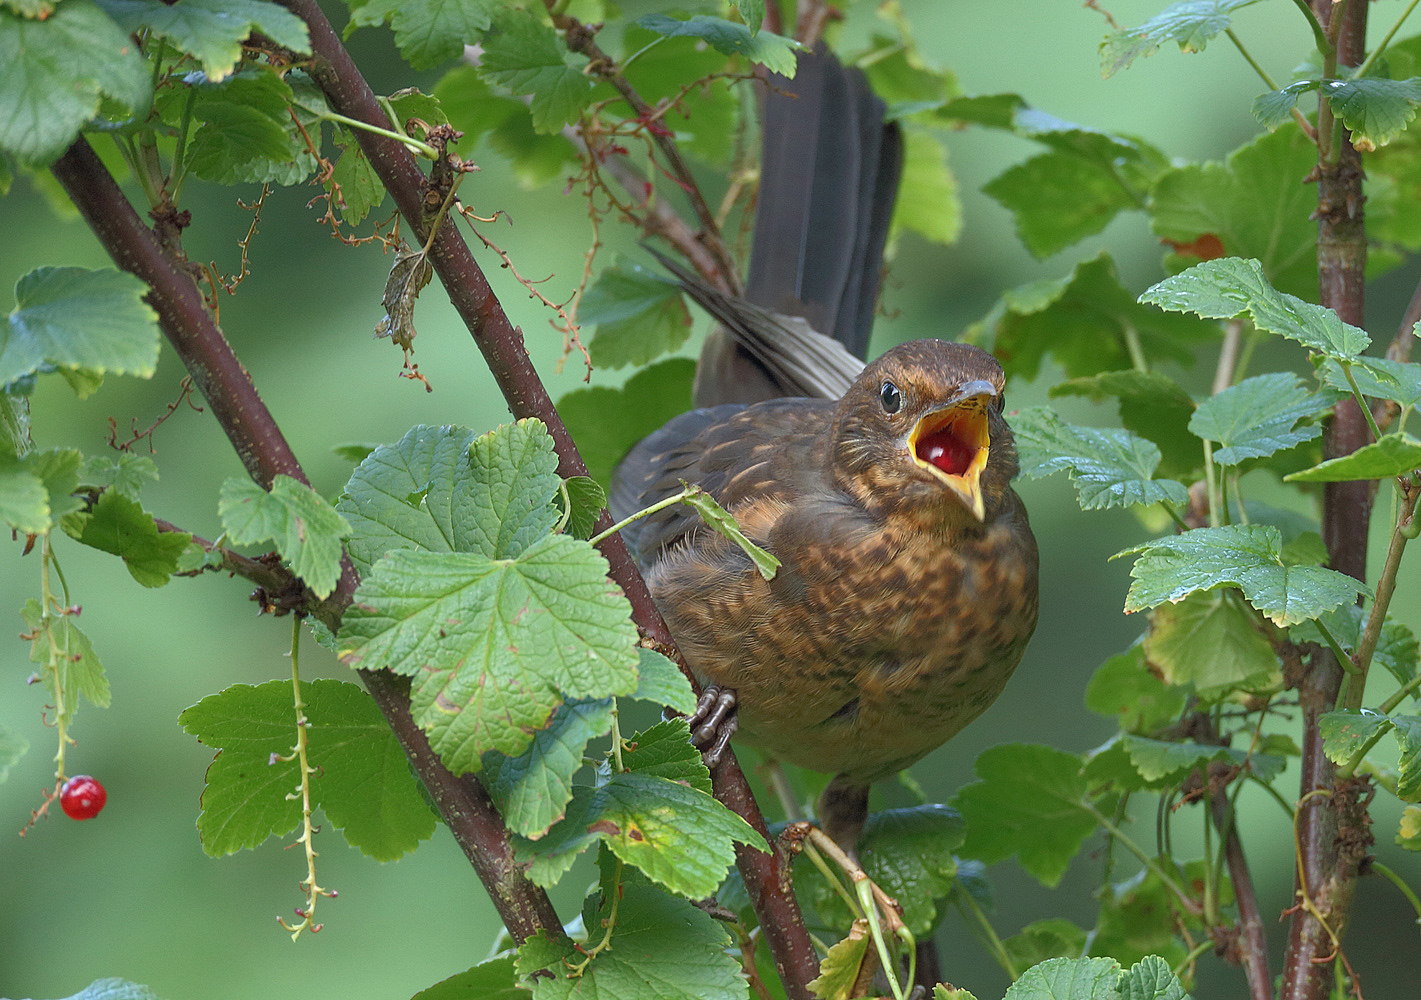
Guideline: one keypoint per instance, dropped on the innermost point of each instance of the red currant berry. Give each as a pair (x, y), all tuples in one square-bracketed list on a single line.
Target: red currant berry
[(82, 797)]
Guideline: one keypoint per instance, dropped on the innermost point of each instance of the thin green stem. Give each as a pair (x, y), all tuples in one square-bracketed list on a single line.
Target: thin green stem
[(640, 52), (818, 859), (864, 888), (1211, 483), (986, 933), (1357, 395), (1367, 63), (1194, 953), (175, 183), (598, 538), (1135, 349), (1174, 516), (616, 740), (1248, 58), (1396, 880), (1324, 45), (1388, 706), (422, 148), (1386, 587), (1355, 761), (1187, 901)]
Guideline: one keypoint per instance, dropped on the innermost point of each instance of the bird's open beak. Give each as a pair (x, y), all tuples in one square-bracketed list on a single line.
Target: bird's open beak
[(952, 443)]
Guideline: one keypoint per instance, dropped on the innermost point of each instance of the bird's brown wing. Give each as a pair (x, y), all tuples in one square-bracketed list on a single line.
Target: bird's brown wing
[(736, 453)]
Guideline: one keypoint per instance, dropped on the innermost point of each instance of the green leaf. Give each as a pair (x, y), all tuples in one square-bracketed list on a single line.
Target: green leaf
[(662, 948), (606, 423), (1396, 647), (677, 835), (1375, 110), (495, 979), (24, 501), (114, 989), (1211, 641), (1151, 979), (843, 962), (775, 53), (585, 501), (1345, 732), (928, 203), (430, 32), (908, 853), (1408, 738), (73, 318), (353, 183), (493, 644), (1081, 321), (1124, 687), (1380, 378), (1392, 455), (77, 671), (1165, 762), (247, 133), (57, 469), (1028, 803), (1231, 287), (1191, 24), (1257, 417), (211, 31), (1110, 468), (1276, 107), (752, 12), (120, 526), (1254, 204), (441, 489), (306, 528), (1068, 979), (533, 789), (1137, 919), (1150, 404), (1247, 556), (535, 159), (720, 520), (13, 746), (528, 58), (639, 316), (121, 471), (54, 73), (1408, 831), (665, 751), (1042, 940), (360, 776), (661, 682)]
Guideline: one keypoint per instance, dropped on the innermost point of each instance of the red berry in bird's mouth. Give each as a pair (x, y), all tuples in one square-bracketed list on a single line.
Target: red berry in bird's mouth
[(82, 797), (945, 450)]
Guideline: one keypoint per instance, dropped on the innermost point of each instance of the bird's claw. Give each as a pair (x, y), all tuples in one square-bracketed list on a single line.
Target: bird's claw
[(713, 723)]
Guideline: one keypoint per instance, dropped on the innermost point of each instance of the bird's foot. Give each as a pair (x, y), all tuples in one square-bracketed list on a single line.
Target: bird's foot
[(713, 722)]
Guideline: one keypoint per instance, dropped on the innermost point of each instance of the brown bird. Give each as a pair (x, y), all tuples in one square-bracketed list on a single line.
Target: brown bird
[(908, 586)]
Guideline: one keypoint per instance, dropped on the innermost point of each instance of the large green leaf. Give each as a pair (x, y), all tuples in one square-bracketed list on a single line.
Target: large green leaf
[(122, 527), (527, 57), (1125, 688), (305, 527), (1211, 641), (1248, 556), (1152, 405), (1393, 455), (71, 318), (928, 203), (639, 316), (1259, 416), (211, 31), (1110, 467), (495, 979), (54, 71), (1381, 378)]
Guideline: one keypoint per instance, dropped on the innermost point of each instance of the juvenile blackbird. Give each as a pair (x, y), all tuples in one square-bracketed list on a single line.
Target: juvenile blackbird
[(908, 586)]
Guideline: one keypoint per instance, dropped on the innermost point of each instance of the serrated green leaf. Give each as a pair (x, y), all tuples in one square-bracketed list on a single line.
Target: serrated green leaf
[(662, 948), (13, 746), (1345, 732), (1028, 803), (211, 31), (305, 527), (1081, 322), (1151, 978), (24, 502), (720, 520), (353, 184), (1259, 416), (533, 789), (1110, 468), (775, 53), (1210, 641), (1247, 556), (119, 526), (121, 471), (677, 835), (1254, 204), (1068, 979), (928, 202), (1408, 831), (585, 501), (1392, 455), (1396, 647), (54, 73), (660, 681), (1408, 737), (57, 469), (639, 316), (360, 776), (114, 989), (752, 12), (409, 103), (665, 751), (1232, 286), (355, 451), (607, 422), (1191, 24), (493, 644), (513, 479), (528, 58), (1276, 106), (1164, 762), (495, 979), (60, 643), (1125, 688), (70, 317), (1150, 404), (1380, 378), (248, 134), (1041, 940), (840, 969), (1375, 110)]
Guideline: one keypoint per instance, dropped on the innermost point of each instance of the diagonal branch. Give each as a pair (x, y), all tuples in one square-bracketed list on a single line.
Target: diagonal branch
[(766, 876), (228, 389)]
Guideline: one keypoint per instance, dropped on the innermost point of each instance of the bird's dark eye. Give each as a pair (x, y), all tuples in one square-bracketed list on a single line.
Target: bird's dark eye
[(891, 398)]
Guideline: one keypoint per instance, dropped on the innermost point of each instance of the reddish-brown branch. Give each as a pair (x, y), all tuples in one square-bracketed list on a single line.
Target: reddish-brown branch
[(233, 398), (1253, 937), (503, 350)]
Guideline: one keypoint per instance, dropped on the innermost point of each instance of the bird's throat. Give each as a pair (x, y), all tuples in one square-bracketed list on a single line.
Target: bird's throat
[(953, 445)]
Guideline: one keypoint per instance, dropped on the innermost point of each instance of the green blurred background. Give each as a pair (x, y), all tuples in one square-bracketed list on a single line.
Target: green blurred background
[(131, 894)]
